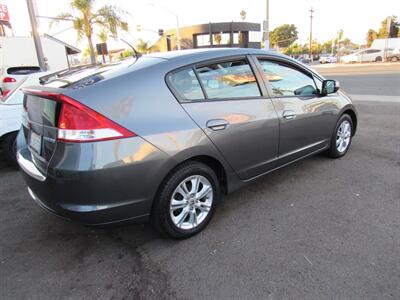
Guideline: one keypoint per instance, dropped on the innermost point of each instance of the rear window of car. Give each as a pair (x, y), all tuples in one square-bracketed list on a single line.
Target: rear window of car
[(186, 85), (229, 80), (22, 70)]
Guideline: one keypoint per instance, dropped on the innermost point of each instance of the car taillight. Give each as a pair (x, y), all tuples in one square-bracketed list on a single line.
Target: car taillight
[(79, 123), (5, 93), (9, 79)]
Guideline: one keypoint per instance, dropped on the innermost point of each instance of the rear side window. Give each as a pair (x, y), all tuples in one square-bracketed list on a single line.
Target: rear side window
[(287, 81), (229, 80), (186, 85), (22, 70)]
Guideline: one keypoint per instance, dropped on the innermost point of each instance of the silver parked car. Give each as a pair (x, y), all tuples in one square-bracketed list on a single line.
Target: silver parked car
[(162, 137)]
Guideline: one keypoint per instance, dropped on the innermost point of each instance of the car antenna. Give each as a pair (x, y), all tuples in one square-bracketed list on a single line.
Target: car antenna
[(136, 53)]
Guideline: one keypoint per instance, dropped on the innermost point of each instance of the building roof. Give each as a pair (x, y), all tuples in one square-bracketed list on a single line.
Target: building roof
[(219, 27), (70, 49)]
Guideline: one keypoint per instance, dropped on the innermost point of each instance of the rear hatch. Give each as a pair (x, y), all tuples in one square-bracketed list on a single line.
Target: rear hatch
[(51, 117), (40, 128)]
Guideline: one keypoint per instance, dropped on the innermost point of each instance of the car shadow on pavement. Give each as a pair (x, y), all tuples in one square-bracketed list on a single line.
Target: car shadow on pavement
[(126, 255), (6, 166)]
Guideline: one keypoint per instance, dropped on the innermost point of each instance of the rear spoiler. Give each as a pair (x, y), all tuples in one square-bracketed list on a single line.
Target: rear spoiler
[(65, 72)]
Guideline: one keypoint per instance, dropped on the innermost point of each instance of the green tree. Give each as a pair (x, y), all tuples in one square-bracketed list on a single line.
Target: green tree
[(84, 18), (327, 47), (217, 38), (294, 49), (86, 53), (243, 15), (143, 46), (316, 47), (371, 36), (127, 53), (283, 35), (394, 28), (103, 35)]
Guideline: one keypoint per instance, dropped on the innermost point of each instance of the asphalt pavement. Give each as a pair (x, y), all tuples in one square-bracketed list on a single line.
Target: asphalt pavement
[(318, 229), (365, 79)]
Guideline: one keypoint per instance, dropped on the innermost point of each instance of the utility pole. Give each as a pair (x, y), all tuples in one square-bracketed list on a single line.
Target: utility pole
[(311, 17), (178, 35), (35, 34), (388, 25), (266, 27)]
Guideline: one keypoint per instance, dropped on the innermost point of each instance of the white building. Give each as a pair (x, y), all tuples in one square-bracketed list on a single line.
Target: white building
[(20, 51), (380, 44)]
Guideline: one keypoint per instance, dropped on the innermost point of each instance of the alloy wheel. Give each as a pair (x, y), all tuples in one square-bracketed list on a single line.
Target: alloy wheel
[(191, 202), (343, 136)]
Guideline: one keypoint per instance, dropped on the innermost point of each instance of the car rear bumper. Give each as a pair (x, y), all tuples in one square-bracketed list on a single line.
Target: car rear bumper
[(88, 184), (92, 215)]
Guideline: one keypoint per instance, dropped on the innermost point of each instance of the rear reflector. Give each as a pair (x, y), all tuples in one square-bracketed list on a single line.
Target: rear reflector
[(79, 123), (5, 93), (9, 79)]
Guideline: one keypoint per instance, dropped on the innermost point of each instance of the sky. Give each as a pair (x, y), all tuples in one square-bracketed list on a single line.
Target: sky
[(355, 17)]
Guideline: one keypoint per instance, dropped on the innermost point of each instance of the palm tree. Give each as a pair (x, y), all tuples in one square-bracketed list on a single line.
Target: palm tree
[(84, 18), (217, 38), (143, 46), (243, 15), (103, 35)]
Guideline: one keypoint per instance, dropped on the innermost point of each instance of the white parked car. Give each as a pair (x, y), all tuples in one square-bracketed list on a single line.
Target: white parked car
[(366, 55), (327, 59), (394, 56), (11, 76), (11, 106)]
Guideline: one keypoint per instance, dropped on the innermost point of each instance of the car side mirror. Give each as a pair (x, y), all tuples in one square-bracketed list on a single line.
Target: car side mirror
[(329, 86)]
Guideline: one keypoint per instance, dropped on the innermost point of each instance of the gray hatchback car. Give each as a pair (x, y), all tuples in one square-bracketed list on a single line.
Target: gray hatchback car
[(164, 136)]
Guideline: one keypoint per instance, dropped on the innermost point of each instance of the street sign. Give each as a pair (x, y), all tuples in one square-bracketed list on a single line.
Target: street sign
[(4, 13), (102, 49)]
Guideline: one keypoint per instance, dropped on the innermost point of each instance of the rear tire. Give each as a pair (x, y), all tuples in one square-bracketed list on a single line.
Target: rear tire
[(394, 59), (180, 214), (9, 147), (341, 137), (378, 59)]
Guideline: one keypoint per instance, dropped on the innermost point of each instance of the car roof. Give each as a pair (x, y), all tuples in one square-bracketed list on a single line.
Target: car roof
[(170, 60), (209, 53)]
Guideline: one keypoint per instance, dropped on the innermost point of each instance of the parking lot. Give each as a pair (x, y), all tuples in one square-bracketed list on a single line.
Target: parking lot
[(318, 229)]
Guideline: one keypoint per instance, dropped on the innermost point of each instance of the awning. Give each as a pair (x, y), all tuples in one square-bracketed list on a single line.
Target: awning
[(70, 49)]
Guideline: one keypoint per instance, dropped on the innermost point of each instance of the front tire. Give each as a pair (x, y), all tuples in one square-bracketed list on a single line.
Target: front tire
[(186, 201), (341, 138), (378, 59)]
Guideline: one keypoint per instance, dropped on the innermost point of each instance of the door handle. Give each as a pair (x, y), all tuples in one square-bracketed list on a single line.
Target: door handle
[(217, 124), (289, 114)]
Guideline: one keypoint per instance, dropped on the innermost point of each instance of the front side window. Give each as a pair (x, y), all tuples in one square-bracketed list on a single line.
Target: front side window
[(186, 85), (287, 81), (228, 80)]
